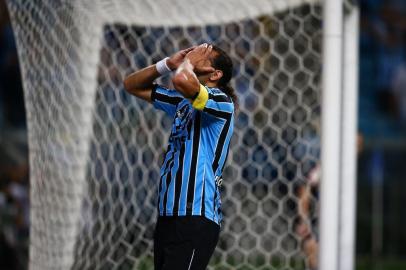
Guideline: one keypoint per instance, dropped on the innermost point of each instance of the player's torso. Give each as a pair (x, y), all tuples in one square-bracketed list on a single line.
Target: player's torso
[(193, 163)]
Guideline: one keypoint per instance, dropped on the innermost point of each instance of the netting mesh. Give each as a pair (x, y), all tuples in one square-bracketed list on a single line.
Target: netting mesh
[(95, 151), (278, 90)]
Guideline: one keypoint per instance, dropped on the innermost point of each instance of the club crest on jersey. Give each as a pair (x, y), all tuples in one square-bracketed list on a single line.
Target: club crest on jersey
[(180, 128), (219, 181)]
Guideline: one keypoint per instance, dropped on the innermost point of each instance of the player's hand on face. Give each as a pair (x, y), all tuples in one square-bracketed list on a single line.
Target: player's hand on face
[(199, 57), (176, 59)]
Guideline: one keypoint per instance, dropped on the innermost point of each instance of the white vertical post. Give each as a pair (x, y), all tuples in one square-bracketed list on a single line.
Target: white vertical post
[(331, 134), (349, 141)]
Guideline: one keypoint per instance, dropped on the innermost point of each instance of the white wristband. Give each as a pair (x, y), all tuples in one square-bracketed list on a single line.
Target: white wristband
[(162, 67)]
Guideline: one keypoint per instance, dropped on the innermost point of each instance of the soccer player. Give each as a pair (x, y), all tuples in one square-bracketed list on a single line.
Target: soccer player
[(202, 108)]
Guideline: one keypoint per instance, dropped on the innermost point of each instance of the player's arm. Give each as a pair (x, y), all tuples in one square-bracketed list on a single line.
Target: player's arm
[(141, 82), (185, 80)]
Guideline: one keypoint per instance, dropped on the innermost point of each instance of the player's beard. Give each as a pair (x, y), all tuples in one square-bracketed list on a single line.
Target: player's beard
[(203, 78)]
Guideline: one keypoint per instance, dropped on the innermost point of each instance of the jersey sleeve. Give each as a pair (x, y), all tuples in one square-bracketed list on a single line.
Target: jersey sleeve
[(165, 99), (215, 103)]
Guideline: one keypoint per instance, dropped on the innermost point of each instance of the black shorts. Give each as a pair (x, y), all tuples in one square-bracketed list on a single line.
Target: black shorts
[(184, 243)]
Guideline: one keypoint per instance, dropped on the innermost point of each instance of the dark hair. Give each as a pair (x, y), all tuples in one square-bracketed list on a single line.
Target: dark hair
[(223, 62)]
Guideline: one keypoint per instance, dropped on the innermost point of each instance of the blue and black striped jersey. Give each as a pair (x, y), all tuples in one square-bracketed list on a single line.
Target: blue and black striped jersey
[(197, 151)]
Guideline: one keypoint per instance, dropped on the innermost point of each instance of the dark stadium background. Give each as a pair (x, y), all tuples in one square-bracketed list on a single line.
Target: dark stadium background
[(381, 217)]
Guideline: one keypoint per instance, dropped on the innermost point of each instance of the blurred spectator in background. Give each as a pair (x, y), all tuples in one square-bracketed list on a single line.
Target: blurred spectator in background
[(388, 29), (382, 115), (399, 90), (10, 81), (383, 58), (14, 200)]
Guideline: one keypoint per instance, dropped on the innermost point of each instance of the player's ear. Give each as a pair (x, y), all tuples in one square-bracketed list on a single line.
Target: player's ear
[(216, 75)]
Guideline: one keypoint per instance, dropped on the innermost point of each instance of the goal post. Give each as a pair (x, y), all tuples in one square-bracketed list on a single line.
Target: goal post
[(339, 133), (349, 138), (95, 151)]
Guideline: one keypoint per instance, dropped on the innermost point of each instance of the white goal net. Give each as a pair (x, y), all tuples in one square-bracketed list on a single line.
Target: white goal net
[(95, 151)]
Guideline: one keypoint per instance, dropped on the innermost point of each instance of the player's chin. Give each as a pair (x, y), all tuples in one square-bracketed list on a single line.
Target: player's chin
[(200, 73), (202, 77)]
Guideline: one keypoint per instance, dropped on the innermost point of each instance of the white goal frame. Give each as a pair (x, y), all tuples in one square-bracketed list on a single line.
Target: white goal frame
[(339, 131)]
